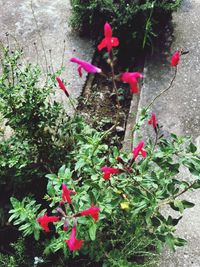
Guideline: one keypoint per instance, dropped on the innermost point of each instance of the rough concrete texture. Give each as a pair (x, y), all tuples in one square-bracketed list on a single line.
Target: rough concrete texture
[(178, 111), (16, 18)]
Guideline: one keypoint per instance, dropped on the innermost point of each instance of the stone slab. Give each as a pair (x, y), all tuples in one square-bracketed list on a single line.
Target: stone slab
[(17, 19)]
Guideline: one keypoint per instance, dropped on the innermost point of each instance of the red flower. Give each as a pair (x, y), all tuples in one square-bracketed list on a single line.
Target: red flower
[(85, 65), (45, 220), (153, 120), (74, 243), (132, 79), (66, 194), (139, 149), (62, 86), (108, 171), (175, 59), (109, 41), (92, 211)]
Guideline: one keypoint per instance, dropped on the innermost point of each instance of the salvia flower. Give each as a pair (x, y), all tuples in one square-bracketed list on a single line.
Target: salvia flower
[(108, 41), (108, 171), (153, 120), (72, 242), (92, 211), (45, 220), (139, 150), (85, 65), (175, 59), (66, 194), (62, 86), (132, 79)]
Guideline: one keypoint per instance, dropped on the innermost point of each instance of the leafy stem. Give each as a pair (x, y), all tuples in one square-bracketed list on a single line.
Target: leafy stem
[(171, 199)]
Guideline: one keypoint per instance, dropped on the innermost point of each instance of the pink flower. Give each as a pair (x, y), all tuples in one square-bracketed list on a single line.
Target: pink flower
[(132, 79), (45, 220), (108, 171), (74, 243), (109, 41), (139, 150), (85, 65), (62, 86), (92, 211), (66, 194), (153, 120), (175, 59)]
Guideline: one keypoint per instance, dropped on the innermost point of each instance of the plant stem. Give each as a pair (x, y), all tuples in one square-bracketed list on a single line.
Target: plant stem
[(40, 35), (170, 200), (72, 104), (162, 92), (113, 78)]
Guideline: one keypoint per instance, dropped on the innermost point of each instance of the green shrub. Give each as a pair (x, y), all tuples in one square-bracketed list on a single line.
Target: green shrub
[(130, 223), (36, 134), (41, 131), (135, 23)]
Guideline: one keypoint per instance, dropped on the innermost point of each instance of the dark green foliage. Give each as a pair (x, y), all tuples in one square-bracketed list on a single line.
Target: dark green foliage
[(41, 133), (135, 23)]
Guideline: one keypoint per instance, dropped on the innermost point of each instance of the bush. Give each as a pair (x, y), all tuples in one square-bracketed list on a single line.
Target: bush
[(105, 204), (41, 134), (136, 22)]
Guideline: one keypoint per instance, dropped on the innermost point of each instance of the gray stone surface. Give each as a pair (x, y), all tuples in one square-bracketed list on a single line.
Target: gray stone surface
[(183, 116), (178, 111), (16, 18)]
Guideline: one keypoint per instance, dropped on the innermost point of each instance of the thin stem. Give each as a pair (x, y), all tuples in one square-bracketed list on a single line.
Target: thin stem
[(162, 92), (63, 54), (185, 190), (51, 61), (72, 104), (113, 78), (40, 35)]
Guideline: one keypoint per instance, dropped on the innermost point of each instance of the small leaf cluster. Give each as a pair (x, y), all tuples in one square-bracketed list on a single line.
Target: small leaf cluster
[(24, 213)]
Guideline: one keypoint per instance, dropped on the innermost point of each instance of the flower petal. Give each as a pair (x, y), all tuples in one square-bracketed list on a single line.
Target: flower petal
[(102, 45)]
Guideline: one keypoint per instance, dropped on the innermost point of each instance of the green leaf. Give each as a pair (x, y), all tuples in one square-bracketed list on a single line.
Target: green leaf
[(196, 185), (79, 164), (177, 205), (180, 242), (192, 148), (61, 171), (174, 222), (187, 204), (170, 240), (36, 234), (180, 205), (51, 176), (92, 231)]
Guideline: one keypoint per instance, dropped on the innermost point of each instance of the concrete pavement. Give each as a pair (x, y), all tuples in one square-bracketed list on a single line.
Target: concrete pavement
[(17, 18)]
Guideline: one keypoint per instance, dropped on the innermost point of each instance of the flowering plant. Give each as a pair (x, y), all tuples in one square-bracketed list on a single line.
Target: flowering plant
[(115, 198)]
